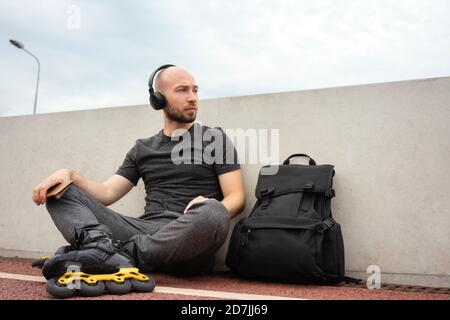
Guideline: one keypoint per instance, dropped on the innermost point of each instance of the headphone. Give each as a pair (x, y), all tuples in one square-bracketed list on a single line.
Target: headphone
[(157, 99)]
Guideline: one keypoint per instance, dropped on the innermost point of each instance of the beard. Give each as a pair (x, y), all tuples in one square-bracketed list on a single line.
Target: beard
[(178, 116)]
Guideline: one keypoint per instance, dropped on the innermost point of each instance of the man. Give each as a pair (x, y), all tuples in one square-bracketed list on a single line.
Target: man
[(188, 204)]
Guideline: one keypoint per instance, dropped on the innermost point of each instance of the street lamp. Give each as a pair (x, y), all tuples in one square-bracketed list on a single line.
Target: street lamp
[(20, 45)]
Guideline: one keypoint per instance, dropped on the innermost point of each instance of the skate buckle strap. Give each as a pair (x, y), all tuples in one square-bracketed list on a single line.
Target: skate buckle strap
[(104, 244), (93, 235)]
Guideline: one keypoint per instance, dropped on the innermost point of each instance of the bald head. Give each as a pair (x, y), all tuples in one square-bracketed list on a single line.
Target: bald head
[(170, 77)]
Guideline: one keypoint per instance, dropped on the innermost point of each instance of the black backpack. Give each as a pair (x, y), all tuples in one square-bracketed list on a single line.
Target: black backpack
[(290, 234)]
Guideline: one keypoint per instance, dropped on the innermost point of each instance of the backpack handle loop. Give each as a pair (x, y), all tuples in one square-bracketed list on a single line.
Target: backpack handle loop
[(311, 160)]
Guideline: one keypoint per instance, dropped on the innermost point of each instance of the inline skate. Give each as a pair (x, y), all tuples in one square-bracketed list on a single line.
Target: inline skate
[(95, 265)]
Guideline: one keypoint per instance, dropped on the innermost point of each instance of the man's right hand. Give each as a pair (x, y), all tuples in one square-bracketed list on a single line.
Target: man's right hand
[(39, 193)]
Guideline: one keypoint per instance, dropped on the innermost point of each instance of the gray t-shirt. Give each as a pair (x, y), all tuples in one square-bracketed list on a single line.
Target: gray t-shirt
[(175, 172)]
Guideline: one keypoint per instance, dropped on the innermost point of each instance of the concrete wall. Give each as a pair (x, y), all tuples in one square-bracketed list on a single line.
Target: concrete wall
[(389, 143)]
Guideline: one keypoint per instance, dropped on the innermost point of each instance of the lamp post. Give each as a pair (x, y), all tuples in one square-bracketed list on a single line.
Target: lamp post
[(19, 45)]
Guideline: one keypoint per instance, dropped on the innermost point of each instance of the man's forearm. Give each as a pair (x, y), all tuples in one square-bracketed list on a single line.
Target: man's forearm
[(234, 203), (96, 189)]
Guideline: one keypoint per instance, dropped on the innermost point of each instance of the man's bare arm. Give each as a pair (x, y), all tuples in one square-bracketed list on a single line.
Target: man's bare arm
[(232, 186), (106, 192)]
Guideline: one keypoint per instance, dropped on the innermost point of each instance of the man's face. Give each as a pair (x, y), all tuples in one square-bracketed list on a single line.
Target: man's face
[(181, 92)]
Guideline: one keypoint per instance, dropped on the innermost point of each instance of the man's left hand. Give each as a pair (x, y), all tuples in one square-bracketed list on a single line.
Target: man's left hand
[(194, 201)]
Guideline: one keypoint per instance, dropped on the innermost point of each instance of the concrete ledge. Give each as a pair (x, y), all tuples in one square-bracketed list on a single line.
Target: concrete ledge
[(389, 143)]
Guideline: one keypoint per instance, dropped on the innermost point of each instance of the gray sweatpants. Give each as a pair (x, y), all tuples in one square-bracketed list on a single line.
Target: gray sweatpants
[(167, 241)]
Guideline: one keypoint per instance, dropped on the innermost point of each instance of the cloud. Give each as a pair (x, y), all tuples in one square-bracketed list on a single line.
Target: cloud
[(266, 46), (232, 47)]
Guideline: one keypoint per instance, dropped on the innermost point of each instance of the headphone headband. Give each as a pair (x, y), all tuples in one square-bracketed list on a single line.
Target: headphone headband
[(152, 77), (157, 99)]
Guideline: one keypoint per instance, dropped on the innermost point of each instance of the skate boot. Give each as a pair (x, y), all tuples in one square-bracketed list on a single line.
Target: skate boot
[(95, 265), (39, 263)]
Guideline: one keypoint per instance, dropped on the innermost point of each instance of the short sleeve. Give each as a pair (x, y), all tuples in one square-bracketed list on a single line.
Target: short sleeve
[(129, 169), (229, 160)]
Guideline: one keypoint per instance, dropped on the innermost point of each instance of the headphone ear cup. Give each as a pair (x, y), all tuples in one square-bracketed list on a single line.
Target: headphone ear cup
[(157, 100)]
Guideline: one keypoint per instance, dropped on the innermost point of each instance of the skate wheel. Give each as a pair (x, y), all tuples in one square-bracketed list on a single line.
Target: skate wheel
[(57, 290), (143, 286), (92, 290), (118, 287)]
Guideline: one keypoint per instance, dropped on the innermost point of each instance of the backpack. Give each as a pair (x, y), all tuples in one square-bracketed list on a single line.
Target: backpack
[(290, 234)]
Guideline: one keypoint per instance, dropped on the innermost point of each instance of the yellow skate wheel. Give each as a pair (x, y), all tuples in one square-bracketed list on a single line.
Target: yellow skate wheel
[(114, 287), (143, 286), (59, 291)]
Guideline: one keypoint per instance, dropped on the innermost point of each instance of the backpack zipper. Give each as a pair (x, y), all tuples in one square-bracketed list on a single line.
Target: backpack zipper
[(245, 240)]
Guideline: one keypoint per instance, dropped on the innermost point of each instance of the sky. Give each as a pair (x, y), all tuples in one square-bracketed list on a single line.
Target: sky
[(96, 54)]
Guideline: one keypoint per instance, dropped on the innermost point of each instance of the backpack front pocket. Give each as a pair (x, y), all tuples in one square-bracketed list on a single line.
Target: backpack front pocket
[(283, 249)]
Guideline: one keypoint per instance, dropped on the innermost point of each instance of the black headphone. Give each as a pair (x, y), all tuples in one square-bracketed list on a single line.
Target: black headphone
[(157, 99)]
